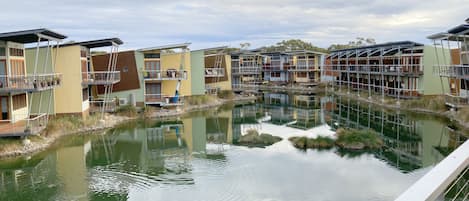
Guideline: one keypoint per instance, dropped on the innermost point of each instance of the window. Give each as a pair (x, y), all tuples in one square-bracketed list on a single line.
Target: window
[(302, 74), (275, 74), (2, 52), (85, 94), (151, 56), (83, 53), (17, 67), (152, 65), (19, 101), (464, 84), (16, 52)]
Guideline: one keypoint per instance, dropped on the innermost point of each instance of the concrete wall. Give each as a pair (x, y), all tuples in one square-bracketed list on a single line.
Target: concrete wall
[(431, 84)]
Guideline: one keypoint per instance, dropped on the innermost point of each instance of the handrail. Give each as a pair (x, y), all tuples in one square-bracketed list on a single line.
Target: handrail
[(165, 74), (101, 77), (433, 184), (214, 72), (30, 82)]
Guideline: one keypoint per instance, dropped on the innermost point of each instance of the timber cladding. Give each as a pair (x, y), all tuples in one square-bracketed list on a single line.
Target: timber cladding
[(127, 66)]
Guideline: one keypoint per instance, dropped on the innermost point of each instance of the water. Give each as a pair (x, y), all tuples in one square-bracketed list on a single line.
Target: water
[(194, 158)]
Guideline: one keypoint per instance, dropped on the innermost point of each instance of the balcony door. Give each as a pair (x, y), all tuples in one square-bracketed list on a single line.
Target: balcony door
[(4, 107), (3, 73), (152, 68), (153, 91)]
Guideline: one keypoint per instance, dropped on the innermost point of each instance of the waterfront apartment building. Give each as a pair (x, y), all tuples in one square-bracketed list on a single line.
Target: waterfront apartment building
[(398, 69), (246, 69), (81, 80), (160, 76), (24, 79), (455, 66)]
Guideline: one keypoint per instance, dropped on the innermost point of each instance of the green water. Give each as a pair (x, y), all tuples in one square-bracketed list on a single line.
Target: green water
[(195, 157)]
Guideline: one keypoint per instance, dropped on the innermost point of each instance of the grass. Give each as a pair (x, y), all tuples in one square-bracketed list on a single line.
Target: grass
[(200, 100), (319, 142), (226, 94), (127, 110), (148, 111), (358, 139), (435, 103), (7, 144), (463, 114)]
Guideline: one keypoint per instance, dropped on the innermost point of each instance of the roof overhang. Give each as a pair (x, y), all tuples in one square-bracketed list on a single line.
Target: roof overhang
[(97, 43), (402, 44), (165, 47), (32, 36)]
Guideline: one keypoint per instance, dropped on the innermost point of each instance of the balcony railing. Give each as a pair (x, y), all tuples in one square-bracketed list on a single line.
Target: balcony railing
[(98, 104), (456, 101), (304, 65), (214, 72), (165, 74), (164, 100), (402, 69), (33, 125), (246, 70), (101, 77), (455, 71), (29, 83)]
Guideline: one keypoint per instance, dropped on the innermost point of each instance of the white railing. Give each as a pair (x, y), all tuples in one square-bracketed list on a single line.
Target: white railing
[(434, 185), (457, 71), (165, 74), (214, 72), (24, 126), (377, 69), (101, 77), (246, 70), (163, 99), (29, 82)]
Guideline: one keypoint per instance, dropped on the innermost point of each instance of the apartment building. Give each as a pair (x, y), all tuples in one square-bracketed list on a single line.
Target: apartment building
[(246, 69), (217, 68), (19, 86), (453, 66), (397, 69)]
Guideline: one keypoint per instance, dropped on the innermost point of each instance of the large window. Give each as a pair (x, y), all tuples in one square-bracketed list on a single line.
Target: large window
[(85, 94), (275, 74), (302, 74), (2, 52), (17, 67), (19, 101), (16, 52), (152, 56), (152, 65)]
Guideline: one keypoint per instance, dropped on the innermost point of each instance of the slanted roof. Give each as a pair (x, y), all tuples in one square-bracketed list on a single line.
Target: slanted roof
[(461, 29), (305, 52), (403, 44), (212, 49), (31, 36), (97, 43), (165, 47)]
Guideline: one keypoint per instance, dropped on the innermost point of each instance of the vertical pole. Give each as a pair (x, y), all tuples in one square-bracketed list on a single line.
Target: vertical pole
[(381, 69), (399, 67), (369, 73)]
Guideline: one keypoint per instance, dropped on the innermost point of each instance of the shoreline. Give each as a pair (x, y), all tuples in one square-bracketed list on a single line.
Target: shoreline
[(30, 148)]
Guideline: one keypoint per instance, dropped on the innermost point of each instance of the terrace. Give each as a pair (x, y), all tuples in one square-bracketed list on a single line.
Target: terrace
[(29, 83), (101, 77), (159, 75), (163, 100), (30, 126)]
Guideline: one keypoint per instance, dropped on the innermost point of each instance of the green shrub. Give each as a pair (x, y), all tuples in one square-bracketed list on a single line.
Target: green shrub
[(358, 139), (199, 100), (226, 94), (435, 103), (127, 110), (319, 142)]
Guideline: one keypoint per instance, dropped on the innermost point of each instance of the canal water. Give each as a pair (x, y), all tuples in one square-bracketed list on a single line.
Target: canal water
[(197, 157)]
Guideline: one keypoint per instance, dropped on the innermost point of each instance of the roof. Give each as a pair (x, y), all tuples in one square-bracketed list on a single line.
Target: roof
[(165, 47), (31, 36), (212, 49), (97, 43), (459, 29), (403, 44)]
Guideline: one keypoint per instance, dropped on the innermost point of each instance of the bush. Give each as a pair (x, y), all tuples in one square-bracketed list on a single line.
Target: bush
[(127, 110), (225, 94), (64, 123), (436, 103), (148, 111), (199, 100), (358, 139), (319, 142)]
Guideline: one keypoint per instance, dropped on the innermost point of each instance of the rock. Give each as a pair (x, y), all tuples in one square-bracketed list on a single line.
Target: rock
[(26, 142)]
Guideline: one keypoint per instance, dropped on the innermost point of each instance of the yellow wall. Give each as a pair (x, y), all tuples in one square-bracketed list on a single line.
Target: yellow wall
[(224, 85), (68, 97), (173, 61)]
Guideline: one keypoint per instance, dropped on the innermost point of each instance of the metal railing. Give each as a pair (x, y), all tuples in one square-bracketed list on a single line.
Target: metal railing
[(29, 83), (456, 71), (214, 72), (456, 101), (436, 184), (165, 74), (246, 70), (377, 69), (303, 64), (98, 104), (101, 77), (35, 124), (163, 100)]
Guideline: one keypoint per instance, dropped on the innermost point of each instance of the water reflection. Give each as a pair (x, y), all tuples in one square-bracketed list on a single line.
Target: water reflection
[(192, 158)]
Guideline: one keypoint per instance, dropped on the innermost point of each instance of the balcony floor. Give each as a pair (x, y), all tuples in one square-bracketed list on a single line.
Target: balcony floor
[(13, 130)]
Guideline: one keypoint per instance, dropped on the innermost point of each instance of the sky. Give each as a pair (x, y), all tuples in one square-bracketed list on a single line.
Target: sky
[(209, 23)]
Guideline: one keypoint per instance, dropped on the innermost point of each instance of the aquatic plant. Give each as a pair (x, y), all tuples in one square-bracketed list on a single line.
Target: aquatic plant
[(319, 142), (358, 139), (253, 139)]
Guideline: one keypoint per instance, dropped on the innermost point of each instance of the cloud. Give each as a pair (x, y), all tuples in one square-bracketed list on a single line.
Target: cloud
[(261, 22)]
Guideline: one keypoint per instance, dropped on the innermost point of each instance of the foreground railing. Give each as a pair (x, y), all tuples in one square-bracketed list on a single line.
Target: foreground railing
[(101, 77), (165, 74), (438, 182), (214, 72), (163, 100), (35, 124), (456, 71), (29, 83)]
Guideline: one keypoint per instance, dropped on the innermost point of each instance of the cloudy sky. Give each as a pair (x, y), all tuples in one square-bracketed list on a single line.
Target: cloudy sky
[(205, 23)]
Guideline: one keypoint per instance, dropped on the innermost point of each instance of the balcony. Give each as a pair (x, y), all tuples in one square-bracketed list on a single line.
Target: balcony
[(163, 100), (378, 69), (97, 105), (159, 75), (101, 77), (305, 65), (453, 71), (246, 70), (29, 83), (33, 125), (214, 72)]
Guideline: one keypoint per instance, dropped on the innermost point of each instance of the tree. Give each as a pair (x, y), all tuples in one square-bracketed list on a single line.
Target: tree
[(293, 44), (245, 45), (359, 42)]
